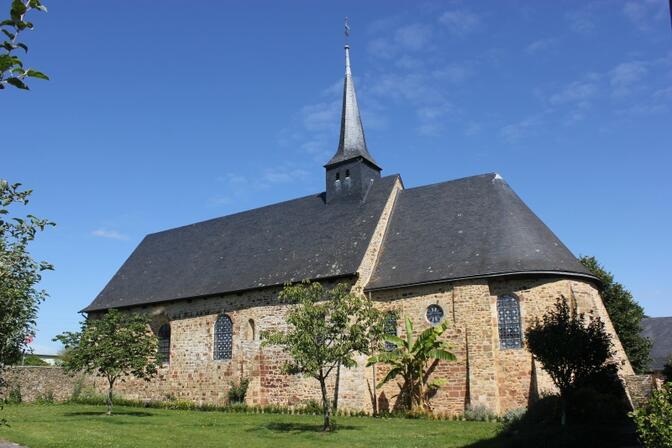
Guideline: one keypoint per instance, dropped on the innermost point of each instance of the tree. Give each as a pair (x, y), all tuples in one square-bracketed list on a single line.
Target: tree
[(12, 71), (19, 275), (112, 346), (654, 419), (625, 313), (414, 361), (571, 350), (326, 328)]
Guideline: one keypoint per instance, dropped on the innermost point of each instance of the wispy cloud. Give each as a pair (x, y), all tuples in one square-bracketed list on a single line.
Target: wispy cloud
[(413, 37), (514, 132), (109, 234), (577, 92), (541, 45), (460, 22), (624, 77), (582, 21), (645, 14)]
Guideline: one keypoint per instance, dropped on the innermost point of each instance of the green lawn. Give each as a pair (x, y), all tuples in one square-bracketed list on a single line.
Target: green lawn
[(73, 426)]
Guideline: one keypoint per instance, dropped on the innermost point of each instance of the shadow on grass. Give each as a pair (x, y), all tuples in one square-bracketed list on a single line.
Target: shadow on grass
[(551, 436), (103, 413), (301, 427)]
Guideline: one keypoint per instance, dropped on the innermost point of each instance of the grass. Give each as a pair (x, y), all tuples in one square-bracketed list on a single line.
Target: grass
[(73, 426)]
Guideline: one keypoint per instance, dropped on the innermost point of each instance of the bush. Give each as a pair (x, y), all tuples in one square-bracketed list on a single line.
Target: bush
[(667, 370), (238, 391), (32, 360), (14, 395), (45, 398), (312, 407), (479, 413), (587, 405), (654, 420)]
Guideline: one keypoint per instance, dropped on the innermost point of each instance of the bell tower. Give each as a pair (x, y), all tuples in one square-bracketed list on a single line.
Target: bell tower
[(351, 171)]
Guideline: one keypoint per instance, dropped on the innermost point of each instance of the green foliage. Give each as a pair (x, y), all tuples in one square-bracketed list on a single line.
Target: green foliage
[(14, 395), (45, 398), (19, 275), (326, 328), (625, 313), (112, 346), (654, 420), (414, 360), (32, 360), (572, 351), (237, 392), (12, 71)]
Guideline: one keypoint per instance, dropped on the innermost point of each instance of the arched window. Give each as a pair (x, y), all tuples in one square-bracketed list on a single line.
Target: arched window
[(163, 353), (390, 328), (347, 173), (338, 175), (508, 313), (251, 334), (223, 337)]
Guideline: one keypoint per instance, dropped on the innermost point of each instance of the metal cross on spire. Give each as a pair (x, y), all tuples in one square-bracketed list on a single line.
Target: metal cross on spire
[(347, 29)]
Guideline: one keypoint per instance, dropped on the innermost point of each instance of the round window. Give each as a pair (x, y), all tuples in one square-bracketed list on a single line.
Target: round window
[(434, 314)]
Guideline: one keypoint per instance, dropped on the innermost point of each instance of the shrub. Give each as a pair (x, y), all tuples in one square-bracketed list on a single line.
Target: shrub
[(479, 413), (32, 360), (238, 391), (654, 419), (312, 407), (14, 395), (587, 405), (77, 389), (45, 398)]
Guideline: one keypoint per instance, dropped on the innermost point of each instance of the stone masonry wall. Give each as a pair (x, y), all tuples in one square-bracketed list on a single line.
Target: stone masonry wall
[(482, 374), (38, 382)]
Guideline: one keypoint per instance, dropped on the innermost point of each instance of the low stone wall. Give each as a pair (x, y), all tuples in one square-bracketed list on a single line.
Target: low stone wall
[(640, 388), (38, 382)]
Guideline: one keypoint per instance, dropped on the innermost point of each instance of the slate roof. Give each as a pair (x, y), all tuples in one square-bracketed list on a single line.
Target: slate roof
[(466, 228), (659, 330), (352, 143), (290, 241)]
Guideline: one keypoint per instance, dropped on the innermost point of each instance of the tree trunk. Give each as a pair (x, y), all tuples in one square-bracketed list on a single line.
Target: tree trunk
[(374, 394), (326, 406), (109, 396), (338, 380)]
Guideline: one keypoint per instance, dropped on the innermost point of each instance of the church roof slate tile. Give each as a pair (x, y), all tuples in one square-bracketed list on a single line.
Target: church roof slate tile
[(659, 330), (466, 228), (290, 241)]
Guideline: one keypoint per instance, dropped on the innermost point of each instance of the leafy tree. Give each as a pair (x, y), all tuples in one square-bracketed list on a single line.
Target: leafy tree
[(12, 71), (414, 360), (32, 360), (326, 328), (19, 275), (625, 313), (571, 350), (654, 419), (112, 346)]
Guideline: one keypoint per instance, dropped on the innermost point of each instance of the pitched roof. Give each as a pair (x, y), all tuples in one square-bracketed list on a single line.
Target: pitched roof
[(290, 241), (659, 330), (465, 228), (352, 143)]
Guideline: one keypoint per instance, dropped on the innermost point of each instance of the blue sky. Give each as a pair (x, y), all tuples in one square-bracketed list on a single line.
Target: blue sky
[(157, 117)]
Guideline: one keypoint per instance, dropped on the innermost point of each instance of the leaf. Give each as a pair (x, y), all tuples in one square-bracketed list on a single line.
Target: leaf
[(409, 333), (443, 355), (8, 34), (16, 82), (35, 74), (396, 340), (23, 46)]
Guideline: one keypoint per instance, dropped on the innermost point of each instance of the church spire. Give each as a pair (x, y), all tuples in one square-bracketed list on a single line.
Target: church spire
[(352, 144)]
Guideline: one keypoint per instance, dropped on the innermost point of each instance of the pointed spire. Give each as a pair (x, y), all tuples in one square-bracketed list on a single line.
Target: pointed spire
[(352, 143)]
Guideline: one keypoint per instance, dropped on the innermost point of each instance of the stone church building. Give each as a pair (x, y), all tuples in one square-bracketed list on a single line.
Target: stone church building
[(467, 251)]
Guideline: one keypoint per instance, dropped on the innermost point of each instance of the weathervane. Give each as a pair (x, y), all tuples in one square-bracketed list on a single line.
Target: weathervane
[(347, 30)]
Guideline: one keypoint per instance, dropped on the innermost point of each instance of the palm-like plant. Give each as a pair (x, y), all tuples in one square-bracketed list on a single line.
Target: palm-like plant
[(414, 361)]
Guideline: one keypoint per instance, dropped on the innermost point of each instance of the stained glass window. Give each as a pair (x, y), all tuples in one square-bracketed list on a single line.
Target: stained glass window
[(434, 314), (390, 328), (223, 337), (508, 312), (164, 343)]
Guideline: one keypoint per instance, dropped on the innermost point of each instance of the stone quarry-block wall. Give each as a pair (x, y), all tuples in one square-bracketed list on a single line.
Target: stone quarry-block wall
[(482, 374), (38, 382)]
